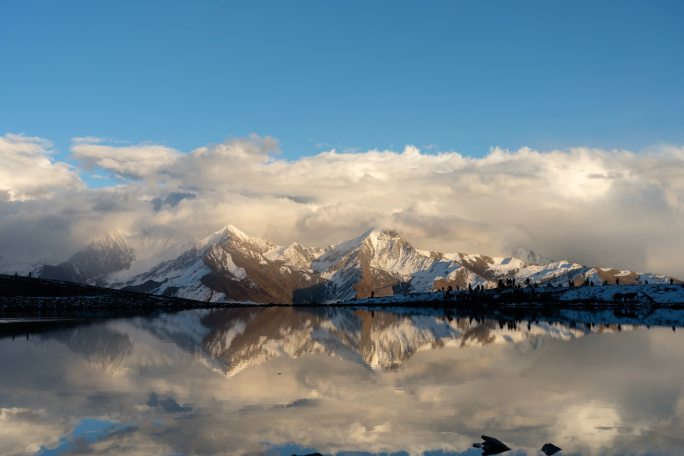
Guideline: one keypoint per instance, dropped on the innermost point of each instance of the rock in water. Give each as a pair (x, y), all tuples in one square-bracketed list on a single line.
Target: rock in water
[(490, 446), (549, 448)]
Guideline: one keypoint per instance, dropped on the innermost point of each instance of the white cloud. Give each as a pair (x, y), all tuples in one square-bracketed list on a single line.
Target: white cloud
[(28, 172), (126, 161), (86, 140), (600, 207)]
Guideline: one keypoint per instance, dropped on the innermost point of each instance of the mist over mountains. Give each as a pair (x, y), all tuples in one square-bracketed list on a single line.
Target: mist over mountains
[(232, 266)]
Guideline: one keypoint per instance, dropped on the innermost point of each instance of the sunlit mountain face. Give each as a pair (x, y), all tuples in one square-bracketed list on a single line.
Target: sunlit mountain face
[(231, 266), (288, 381)]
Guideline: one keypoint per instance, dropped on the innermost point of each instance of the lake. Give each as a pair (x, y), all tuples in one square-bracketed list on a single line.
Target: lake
[(283, 381)]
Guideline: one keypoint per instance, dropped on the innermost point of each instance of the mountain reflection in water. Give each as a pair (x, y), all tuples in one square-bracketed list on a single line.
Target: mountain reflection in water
[(301, 380)]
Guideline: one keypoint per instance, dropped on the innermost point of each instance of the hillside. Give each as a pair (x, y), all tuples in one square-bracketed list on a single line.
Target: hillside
[(20, 293)]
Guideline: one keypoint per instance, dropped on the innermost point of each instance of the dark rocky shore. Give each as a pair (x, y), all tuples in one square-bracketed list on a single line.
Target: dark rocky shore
[(29, 296), (658, 295), (33, 305), (26, 295)]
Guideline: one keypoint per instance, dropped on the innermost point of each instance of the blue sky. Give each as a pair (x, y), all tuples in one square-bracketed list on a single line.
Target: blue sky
[(461, 76)]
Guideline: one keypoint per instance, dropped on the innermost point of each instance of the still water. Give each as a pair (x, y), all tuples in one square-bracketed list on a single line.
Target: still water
[(282, 381)]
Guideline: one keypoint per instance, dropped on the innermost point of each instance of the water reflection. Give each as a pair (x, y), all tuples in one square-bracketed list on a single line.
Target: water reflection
[(297, 381)]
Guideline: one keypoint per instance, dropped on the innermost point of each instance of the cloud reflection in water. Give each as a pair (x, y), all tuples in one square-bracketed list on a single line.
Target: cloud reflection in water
[(257, 381)]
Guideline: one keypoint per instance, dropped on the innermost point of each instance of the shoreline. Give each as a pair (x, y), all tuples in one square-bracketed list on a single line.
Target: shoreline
[(24, 296)]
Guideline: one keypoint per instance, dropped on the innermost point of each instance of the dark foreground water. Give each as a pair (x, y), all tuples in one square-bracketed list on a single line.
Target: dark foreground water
[(288, 381)]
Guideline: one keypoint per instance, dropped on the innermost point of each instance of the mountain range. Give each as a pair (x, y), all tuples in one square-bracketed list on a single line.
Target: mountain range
[(231, 266), (231, 340)]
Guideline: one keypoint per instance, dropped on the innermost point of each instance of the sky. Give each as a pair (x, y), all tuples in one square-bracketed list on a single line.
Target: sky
[(463, 76), (147, 99)]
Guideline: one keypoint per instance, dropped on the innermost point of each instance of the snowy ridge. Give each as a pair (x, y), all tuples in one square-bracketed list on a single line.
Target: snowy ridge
[(337, 252), (295, 256), (183, 281)]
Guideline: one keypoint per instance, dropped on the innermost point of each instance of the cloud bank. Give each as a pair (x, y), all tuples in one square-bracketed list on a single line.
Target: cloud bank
[(599, 207)]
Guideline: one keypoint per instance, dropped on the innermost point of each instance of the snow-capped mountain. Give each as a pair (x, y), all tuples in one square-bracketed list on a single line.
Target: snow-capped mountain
[(229, 341), (231, 266), (102, 257), (232, 340), (115, 257)]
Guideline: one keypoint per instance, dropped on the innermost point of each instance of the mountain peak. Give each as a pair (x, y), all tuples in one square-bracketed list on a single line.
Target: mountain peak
[(387, 233), (113, 239), (223, 234), (373, 235), (530, 256), (376, 231), (235, 231)]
